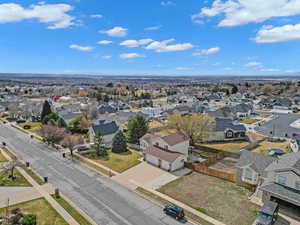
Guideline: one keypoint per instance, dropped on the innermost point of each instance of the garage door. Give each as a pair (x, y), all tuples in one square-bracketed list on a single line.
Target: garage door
[(287, 208)]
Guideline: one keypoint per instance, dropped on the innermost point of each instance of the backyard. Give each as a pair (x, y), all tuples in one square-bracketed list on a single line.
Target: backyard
[(118, 162), (215, 197), (46, 215), (248, 120), (228, 146), (264, 146)]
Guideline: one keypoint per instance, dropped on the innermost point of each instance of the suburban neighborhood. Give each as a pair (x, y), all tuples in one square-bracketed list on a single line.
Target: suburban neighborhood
[(213, 152)]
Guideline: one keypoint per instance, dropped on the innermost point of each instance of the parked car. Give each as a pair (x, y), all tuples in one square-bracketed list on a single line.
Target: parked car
[(20, 121), (268, 213), (83, 148), (174, 211)]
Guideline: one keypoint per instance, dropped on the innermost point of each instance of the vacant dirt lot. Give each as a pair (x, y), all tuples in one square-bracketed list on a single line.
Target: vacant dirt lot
[(217, 198), (227, 165)]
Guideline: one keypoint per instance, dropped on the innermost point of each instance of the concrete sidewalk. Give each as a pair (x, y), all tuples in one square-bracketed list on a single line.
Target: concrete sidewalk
[(44, 192)]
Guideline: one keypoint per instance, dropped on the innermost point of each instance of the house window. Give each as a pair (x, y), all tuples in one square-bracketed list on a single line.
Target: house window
[(281, 180), (166, 147), (248, 174), (229, 134), (297, 185)]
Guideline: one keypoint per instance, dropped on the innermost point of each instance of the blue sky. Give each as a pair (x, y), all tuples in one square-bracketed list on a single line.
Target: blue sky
[(134, 37)]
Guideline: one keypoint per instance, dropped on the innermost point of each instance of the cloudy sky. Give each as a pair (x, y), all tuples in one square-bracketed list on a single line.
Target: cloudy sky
[(137, 37)]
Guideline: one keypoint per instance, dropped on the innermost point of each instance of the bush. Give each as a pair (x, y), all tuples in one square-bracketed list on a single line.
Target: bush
[(29, 220)]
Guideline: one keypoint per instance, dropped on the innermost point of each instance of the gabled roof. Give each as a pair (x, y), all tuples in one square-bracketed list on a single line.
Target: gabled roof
[(174, 139), (163, 154), (225, 124), (254, 160), (242, 108), (105, 127), (290, 161)]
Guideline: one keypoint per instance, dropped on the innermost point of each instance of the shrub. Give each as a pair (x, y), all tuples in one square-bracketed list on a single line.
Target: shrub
[(29, 220)]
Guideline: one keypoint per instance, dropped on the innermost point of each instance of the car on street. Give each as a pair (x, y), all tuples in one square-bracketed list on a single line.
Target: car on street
[(83, 148), (174, 211)]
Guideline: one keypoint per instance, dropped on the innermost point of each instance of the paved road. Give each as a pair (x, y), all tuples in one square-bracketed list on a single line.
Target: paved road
[(102, 199), (281, 125)]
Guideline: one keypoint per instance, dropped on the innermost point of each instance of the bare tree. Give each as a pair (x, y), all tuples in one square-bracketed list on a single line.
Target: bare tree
[(52, 134), (70, 141), (84, 124), (9, 167)]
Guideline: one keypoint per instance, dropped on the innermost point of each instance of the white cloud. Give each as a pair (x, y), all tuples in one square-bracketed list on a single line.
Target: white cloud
[(153, 28), (183, 68), (239, 12), (209, 51), (167, 3), (104, 42), (131, 55), (253, 64), (136, 43), (53, 14), (96, 16), (269, 70), (106, 57), (270, 34), (162, 46), (81, 48), (116, 32), (197, 21)]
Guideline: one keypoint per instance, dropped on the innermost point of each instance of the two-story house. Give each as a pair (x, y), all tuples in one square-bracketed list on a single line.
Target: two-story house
[(283, 182), (168, 152), (251, 167)]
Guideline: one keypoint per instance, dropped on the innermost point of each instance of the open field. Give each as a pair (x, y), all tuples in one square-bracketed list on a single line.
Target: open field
[(118, 162), (228, 146), (215, 197), (46, 215)]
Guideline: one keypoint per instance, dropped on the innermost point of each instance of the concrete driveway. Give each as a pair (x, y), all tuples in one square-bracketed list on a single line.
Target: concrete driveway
[(145, 175)]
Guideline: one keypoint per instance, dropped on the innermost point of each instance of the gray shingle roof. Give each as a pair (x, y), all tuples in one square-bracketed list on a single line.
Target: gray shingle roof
[(224, 124), (290, 161), (256, 161), (281, 191), (106, 127)]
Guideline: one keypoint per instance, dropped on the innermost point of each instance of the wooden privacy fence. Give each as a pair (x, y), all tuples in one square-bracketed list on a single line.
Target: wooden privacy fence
[(214, 172)]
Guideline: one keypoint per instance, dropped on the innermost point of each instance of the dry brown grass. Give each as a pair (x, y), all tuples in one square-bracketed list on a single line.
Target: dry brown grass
[(228, 146), (267, 145), (217, 198)]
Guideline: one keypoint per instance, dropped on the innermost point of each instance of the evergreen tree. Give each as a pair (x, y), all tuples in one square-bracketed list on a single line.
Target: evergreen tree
[(119, 143), (98, 141), (137, 128), (61, 123), (51, 116), (46, 110)]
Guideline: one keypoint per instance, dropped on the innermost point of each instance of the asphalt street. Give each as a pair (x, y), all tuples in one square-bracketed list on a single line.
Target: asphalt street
[(280, 126), (107, 202)]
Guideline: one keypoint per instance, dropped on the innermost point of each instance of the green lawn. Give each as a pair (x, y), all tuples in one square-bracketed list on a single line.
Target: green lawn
[(20, 181), (248, 120), (35, 126), (73, 212), (118, 162), (46, 215), (220, 199)]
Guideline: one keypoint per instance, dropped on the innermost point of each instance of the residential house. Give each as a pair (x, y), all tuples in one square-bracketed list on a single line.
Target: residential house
[(168, 152), (242, 110), (227, 130), (295, 143), (107, 128), (251, 167), (283, 182)]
